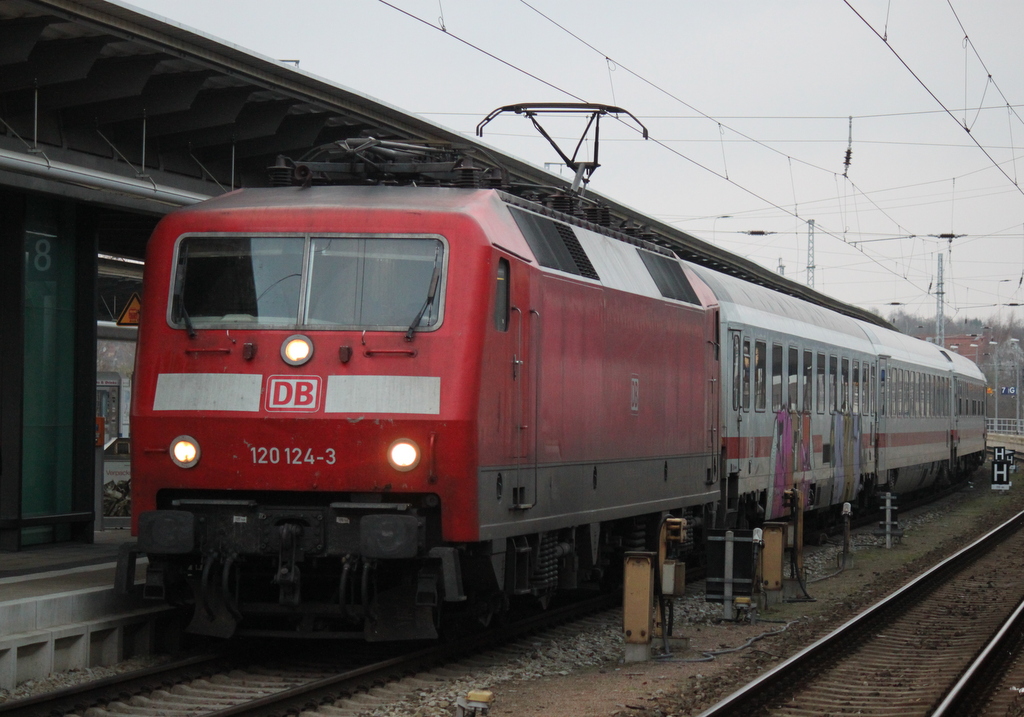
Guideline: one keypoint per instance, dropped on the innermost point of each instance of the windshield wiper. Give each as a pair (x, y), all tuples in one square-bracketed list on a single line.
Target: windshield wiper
[(431, 292), (186, 318)]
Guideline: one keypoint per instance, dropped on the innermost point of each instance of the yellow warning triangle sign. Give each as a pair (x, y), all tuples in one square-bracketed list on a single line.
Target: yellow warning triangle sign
[(129, 315)]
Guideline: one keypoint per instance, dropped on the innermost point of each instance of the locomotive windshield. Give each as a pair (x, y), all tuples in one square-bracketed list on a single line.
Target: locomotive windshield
[(314, 282)]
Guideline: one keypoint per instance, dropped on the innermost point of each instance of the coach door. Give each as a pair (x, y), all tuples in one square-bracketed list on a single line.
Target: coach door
[(736, 390), (885, 387), (713, 399), (525, 321)]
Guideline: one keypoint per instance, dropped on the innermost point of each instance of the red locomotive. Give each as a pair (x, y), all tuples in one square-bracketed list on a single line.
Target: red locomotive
[(359, 408)]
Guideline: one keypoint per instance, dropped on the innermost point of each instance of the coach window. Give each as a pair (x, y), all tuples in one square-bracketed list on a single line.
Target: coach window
[(911, 394), (501, 301), (819, 392), (777, 358), (794, 378), (760, 360), (904, 393), (873, 390), (894, 392), (855, 408), (929, 395), (897, 392), (894, 389), (909, 403), (808, 382), (736, 371), (926, 404), (833, 387), (890, 385), (921, 410), (908, 395), (921, 394), (915, 388), (746, 374)]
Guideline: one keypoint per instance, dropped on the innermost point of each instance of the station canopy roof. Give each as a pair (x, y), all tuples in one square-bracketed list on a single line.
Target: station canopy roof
[(96, 95)]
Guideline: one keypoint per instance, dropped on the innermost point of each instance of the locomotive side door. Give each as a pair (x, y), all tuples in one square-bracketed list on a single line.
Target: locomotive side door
[(524, 320)]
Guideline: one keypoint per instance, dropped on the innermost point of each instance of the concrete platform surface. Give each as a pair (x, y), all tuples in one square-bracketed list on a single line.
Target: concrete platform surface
[(62, 556), (59, 610)]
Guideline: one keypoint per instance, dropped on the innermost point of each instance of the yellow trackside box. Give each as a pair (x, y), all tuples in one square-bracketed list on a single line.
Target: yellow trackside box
[(638, 597), (772, 555)]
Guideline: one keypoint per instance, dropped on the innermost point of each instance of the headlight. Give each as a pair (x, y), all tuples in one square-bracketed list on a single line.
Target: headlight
[(403, 455), (185, 451), (297, 350)]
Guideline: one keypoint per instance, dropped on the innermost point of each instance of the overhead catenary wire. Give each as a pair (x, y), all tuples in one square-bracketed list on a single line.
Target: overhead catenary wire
[(482, 51), (988, 73), (823, 230), (829, 118), (724, 175), (934, 96)]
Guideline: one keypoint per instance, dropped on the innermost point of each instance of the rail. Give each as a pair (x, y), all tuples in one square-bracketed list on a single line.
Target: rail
[(753, 697), (224, 685), (982, 677)]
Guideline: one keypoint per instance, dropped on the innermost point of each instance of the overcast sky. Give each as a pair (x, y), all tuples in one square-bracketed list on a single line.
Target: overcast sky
[(748, 105)]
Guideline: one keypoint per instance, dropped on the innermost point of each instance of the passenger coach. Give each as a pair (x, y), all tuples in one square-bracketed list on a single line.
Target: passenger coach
[(834, 406)]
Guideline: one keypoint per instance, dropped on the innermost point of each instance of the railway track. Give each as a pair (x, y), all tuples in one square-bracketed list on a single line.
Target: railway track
[(903, 655), (227, 685)]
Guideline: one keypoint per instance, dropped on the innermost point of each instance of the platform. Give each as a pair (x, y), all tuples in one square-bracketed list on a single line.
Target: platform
[(59, 610), (1012, 442)]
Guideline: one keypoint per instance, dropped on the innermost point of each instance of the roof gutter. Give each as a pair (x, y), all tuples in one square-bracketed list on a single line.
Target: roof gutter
[(39, 165)]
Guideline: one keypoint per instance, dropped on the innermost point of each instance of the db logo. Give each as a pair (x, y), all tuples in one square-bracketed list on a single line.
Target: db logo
[(293, 393)]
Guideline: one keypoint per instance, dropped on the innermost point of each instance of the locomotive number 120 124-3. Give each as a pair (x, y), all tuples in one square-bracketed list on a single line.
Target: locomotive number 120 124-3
[(291, 455)]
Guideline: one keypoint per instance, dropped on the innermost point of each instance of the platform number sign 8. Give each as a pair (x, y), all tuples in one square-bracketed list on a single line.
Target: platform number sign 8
[(42, 255), (42, 259)]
